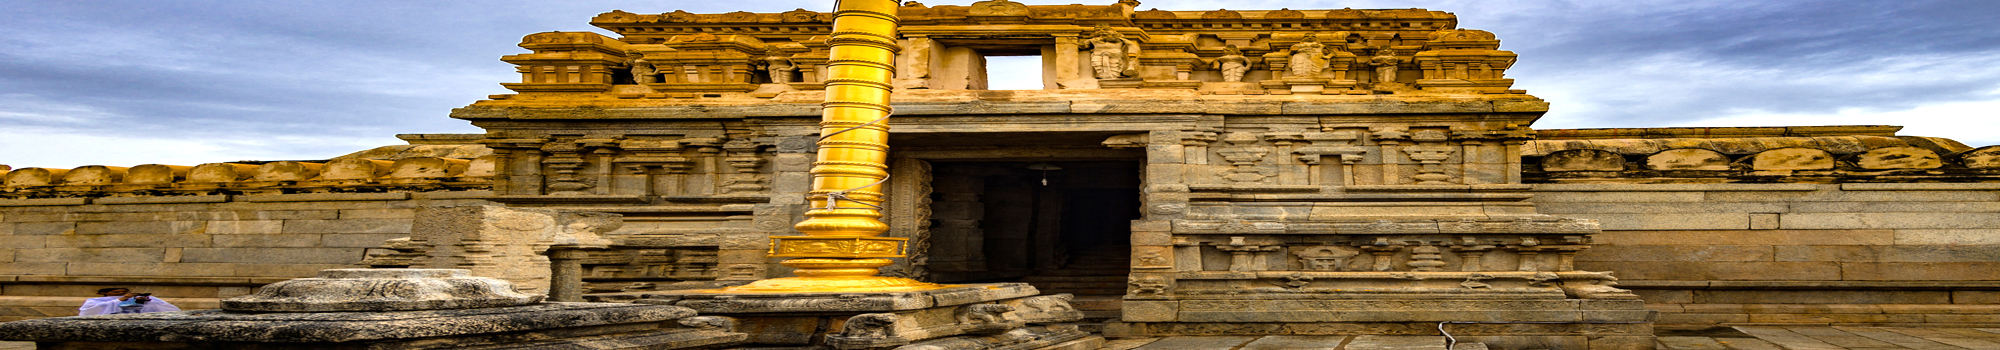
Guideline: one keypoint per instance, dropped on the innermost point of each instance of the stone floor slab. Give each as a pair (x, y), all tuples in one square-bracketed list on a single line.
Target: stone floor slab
[(1690, 343), (1945, 337), (1841, 338), (1087, 343), (1747, 344), (1787, 339), (1192, 343), (1903, 340), (1970, 333), (1396, 342), (1296, 342), (1127, 344)]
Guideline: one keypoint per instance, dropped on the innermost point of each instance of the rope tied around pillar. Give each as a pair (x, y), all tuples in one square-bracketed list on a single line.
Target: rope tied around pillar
[(833, 198)]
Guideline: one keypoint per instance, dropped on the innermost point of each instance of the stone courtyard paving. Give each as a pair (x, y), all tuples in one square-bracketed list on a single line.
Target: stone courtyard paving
[(1747, 338), (1751, 338)]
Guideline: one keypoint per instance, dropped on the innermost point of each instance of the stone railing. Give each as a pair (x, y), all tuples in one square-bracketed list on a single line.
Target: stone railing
[(418, 174), (1754, 158)]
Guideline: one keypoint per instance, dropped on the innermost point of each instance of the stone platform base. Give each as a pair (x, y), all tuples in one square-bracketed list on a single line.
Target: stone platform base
[(968, 317), (1506, 336), (1542, 323), (1025, 338), (538, 326), (1288, 342)]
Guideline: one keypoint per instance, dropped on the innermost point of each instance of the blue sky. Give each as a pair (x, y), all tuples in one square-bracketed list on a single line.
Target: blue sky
[(188, 82)]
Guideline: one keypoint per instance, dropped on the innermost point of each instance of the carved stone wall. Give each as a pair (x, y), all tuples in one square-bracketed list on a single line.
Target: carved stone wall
[(1366, 155)]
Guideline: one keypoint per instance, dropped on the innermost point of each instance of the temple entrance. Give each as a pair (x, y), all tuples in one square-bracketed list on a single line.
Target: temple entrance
[(1063, 226)]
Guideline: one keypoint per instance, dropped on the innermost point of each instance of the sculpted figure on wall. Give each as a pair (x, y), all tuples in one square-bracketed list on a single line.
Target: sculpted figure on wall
[(1308, 57), (1385, 62), (779, 65), (1232, 64), (642, 71), (1112, 56)]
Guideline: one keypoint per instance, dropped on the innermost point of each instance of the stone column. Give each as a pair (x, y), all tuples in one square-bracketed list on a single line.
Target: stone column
[(566, 274)]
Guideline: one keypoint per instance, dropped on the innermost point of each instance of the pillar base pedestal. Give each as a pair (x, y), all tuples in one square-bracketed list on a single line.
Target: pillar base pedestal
[(835, 284)]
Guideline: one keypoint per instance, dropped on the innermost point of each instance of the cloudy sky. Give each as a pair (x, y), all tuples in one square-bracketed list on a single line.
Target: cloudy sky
[(187, 82)]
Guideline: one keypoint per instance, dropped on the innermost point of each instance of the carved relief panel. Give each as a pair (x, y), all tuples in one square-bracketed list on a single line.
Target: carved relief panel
[(635, 167), (1275, 158)]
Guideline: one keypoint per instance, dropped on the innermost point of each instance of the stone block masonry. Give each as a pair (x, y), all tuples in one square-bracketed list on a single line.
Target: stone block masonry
[(52, 256), (1795, 253)]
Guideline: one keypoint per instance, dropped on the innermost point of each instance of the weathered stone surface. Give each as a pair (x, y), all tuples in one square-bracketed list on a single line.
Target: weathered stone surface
[(1969, 237), (1897, 158), (1394, 342), (218, 326), (1737, 141), (1809, 221), (1698, 271), (1387, 311), (1036, 337), (1583, 160), (1280, 342), (1981, 158), (709, 302), (1688, 159), (94, 175), (1674, 221), (354, 290), (1196, 343), (1751, 237), (494, 241), (1680, 253), (1792, 159)]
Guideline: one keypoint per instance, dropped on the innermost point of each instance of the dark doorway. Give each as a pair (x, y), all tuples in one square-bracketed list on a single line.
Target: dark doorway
[(1063, 226)]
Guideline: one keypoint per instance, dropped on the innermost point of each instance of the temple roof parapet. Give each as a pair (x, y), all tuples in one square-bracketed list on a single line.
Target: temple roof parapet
[(389, 169), (746, 55)]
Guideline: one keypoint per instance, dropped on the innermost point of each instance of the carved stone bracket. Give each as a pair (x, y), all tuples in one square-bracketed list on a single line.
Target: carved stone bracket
[(1245, 257), (1430, 152), (1243, 154), (745, 158)]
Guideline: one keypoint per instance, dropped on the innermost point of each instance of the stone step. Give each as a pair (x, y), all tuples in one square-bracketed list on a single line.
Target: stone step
[(1089, 327), (1085, 272), (1083, 290), (1101, 314), (1117, 278), (1101, 282), (1098, 302), (1091, 293), (1045, 287), (1323, 342)]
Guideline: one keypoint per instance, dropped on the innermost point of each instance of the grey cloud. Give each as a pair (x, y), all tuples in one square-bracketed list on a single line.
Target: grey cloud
[(363, 70)]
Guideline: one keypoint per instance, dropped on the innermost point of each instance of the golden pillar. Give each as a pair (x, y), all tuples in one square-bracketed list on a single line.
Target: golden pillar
[(840, 251)]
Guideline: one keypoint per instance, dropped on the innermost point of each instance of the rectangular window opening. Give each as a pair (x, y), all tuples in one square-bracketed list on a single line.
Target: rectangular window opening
[(1023, 72)]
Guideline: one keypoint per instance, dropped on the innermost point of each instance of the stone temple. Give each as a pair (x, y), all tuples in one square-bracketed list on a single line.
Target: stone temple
[(1243, 173)]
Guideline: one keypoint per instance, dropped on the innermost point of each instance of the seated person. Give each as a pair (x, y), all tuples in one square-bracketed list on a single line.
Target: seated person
[(123, 301)]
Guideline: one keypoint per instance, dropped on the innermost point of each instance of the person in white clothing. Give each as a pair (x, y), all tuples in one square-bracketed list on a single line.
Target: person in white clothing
[(123, 301)]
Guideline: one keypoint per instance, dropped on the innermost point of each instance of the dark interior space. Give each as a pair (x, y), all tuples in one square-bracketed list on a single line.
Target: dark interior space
[(1063, 226)]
